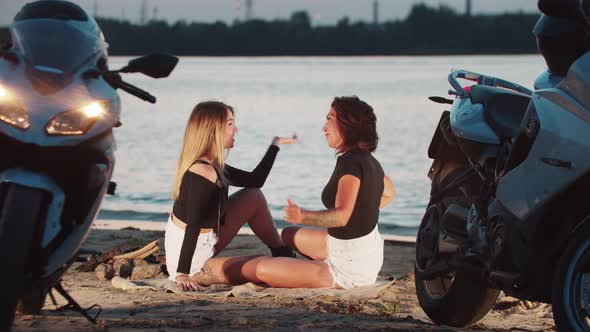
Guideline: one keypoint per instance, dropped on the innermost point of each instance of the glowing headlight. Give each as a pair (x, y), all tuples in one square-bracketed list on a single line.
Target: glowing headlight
[(93, 110), (77, 121), (11, 111)]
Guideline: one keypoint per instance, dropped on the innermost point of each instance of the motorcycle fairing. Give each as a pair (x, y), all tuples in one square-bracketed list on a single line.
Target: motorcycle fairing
[(41, 108), (468, 122), (560, 138), (535, 244), (56, 45), (52, 224), (577, 84), (503, 108)]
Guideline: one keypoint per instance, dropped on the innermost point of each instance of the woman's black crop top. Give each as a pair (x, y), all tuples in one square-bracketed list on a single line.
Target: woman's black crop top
[(365, 214), (201, 203)]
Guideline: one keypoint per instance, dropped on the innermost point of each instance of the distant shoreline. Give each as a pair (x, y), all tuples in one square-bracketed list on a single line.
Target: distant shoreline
[(336, 56), (161, 226), (425, 31)]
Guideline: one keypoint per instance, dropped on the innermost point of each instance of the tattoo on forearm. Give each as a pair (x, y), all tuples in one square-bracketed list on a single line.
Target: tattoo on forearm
[(326, 219), (206, 277)]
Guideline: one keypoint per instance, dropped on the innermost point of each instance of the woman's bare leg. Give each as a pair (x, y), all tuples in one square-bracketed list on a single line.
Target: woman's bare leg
[(310, 242), (229, 270), (248, 205), (293, 273), (276, 272)]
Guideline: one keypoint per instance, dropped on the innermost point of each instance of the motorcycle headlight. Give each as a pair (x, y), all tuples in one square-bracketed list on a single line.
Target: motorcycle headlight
[(77, 121), (11, 111)]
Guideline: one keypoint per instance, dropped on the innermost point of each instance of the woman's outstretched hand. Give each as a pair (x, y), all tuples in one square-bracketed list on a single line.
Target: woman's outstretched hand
[(293, 214), (187, 283), (278, 141)]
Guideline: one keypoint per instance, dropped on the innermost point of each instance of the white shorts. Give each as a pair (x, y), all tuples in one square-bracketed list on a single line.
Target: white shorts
[(355, 262), (173, 243)]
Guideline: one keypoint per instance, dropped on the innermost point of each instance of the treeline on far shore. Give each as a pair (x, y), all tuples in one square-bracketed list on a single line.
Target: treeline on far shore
[(425, 31)]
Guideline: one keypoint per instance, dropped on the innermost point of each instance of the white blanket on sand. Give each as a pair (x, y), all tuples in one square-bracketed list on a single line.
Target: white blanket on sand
[(380, 290)]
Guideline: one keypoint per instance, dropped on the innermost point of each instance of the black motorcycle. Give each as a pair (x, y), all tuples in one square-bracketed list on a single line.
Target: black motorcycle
[(508, 207)]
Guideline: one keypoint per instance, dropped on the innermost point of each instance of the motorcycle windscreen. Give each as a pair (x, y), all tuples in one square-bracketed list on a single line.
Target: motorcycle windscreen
[(54, 45)]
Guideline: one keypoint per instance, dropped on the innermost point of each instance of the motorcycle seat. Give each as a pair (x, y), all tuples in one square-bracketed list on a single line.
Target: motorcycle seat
[(503, 108)]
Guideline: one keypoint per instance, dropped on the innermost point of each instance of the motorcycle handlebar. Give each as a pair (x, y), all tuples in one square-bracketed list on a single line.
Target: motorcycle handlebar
[(483, 80)]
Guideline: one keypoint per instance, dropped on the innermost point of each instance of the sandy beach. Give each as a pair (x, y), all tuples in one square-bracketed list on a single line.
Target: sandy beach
[(149, 310)]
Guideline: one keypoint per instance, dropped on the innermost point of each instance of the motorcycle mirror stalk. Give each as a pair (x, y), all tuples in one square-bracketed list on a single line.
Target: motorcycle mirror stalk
[(456, 93), (441, 100), (156, 65)]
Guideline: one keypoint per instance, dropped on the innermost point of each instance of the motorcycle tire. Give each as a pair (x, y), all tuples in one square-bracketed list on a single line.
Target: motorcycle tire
[(32, 301), (570, 296), (459, 298), (465, 298), (19, 212)]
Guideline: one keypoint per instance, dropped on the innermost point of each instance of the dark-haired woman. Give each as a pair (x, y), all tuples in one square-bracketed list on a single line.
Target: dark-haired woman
[(345, 246)]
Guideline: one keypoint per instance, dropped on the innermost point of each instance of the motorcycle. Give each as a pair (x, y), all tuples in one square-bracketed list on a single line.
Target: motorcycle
[(510, 180), (58, 108)]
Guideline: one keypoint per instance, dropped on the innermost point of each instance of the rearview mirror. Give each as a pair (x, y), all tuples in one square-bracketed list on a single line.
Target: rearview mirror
[(156, 65)]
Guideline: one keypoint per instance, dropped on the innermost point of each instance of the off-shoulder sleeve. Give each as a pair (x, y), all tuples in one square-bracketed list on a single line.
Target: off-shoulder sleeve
[(201, 205), (255, 179)]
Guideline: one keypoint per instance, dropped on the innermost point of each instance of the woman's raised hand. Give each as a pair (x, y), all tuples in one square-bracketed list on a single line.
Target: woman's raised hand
[(293, 214), (388, 192), (187, 283), (277, 140)]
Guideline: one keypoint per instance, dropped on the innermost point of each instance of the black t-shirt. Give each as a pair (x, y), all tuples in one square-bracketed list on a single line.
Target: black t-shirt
[(365, 214), (202, 203)]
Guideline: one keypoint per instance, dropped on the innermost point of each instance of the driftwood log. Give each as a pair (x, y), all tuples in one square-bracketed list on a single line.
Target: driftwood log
[(95, 260), (126, 262), (140, 253)]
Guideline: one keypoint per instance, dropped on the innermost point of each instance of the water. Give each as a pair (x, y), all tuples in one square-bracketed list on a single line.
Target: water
[(279, 96)]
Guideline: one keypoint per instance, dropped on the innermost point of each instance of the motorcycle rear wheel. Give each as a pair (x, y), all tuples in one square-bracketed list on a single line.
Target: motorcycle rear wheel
[(459, 298), (19, 212), (571, 283)]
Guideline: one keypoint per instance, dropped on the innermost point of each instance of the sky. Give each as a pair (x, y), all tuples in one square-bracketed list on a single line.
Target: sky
[(322, 12)]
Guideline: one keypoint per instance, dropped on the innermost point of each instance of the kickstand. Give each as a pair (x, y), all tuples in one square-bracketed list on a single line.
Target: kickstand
[(73, 305)]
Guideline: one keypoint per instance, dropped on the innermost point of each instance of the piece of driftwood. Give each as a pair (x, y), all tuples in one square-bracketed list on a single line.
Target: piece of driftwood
[(139, 262), (104, 272), (123, 267), (156, 258), (140, 253), (146, 271), (94, 261), (127, 262)]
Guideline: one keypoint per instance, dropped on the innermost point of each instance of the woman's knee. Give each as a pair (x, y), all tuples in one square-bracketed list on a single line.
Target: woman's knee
[(254, 196), (264, 270), (254, 192), (288, 235)]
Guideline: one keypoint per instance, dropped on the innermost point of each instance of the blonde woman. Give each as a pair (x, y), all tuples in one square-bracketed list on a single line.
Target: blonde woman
[(204, 219)]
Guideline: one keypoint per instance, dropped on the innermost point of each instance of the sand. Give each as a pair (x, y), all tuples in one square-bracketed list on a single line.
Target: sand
[(146, 310)]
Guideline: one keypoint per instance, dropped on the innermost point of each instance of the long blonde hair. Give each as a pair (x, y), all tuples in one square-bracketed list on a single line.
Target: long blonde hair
[(203, 137)]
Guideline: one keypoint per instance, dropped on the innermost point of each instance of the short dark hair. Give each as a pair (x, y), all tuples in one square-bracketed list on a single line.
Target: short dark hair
[(357, 123)]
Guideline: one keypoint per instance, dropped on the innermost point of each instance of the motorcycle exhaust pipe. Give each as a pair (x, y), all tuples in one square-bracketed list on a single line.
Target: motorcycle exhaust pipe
[(453, 229)]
